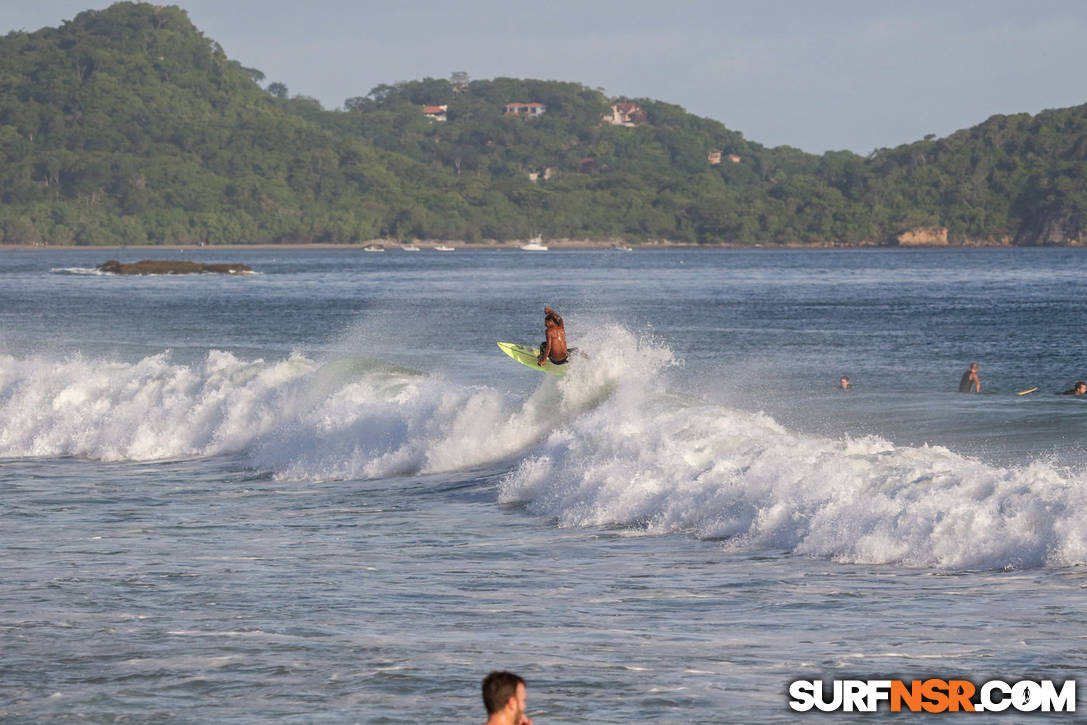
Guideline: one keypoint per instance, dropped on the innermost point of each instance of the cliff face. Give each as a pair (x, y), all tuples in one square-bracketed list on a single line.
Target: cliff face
[(1048, 227), (923, 237)]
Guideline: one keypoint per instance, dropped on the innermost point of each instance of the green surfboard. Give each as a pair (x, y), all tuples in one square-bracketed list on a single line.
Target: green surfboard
[(527, 355)]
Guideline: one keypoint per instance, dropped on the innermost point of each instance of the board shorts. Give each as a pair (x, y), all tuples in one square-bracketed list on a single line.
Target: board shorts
[(569, 351)]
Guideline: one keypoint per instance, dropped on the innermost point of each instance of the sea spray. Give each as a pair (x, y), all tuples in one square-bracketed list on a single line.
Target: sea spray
[(609, 444), (295, 418), (147, 410), (433, 425)]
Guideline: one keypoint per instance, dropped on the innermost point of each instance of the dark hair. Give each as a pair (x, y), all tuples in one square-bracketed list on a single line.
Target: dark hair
[(498, 688)]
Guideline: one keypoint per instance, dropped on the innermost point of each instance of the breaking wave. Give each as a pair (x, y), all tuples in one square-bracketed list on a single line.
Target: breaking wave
[(608, 444), (660, 465)]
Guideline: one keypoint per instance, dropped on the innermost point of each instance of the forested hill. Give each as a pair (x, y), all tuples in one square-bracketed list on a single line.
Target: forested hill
[(129, 126)]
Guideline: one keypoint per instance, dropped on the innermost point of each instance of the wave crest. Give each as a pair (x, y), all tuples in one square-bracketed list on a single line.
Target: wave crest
[(665, 466)]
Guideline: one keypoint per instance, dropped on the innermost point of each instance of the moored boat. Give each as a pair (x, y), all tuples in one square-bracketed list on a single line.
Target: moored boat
[(535, 245)]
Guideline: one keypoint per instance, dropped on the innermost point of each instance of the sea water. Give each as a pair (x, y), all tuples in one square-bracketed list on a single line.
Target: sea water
[(320, 492)]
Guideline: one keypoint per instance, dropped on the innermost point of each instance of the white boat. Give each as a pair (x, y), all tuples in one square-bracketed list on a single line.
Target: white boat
[(409, 248), (622, 248), (443, 248), (373, 248), (535, 245)]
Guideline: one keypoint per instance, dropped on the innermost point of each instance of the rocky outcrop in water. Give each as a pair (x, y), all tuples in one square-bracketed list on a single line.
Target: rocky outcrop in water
[(166, 266)]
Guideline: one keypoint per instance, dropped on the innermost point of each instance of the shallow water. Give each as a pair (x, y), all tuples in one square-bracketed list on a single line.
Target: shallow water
[(316, 492)]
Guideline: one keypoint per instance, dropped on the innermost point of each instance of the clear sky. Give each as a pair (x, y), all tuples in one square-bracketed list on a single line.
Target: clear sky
[(818, 74)]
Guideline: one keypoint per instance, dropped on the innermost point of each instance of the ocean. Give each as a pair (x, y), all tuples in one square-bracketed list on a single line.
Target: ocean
[(320, 492)]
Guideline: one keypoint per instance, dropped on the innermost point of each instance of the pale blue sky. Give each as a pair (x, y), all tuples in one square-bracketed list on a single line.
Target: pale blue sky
[(819, 75)]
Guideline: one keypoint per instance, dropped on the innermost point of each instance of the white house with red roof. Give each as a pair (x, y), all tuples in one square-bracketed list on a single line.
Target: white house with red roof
[(435, 112)]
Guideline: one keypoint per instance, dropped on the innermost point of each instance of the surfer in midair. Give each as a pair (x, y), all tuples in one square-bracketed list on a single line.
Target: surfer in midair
[(554, 347)]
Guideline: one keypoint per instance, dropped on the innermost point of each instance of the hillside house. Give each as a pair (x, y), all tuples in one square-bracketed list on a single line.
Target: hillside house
[(544, 172), (530, 110), (626, 114), (714, 156), (436, 113), (734, 158)]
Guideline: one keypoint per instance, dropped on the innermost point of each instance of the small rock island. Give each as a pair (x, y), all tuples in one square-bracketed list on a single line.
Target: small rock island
[(166, 266)]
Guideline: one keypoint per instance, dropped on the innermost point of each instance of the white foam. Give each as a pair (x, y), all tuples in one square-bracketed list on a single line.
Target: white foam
[(350, 418), (653, 463), (98, 272), (607, 444), (151, 409), (78, 270), (378, 427)]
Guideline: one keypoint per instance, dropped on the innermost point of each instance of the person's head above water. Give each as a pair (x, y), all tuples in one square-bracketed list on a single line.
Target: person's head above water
[(504, 699)]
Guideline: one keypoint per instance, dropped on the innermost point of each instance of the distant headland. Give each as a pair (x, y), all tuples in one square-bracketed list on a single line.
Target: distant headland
[(93, 152)]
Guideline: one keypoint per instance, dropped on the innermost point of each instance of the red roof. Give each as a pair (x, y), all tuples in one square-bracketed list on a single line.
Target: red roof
[(433, 109)]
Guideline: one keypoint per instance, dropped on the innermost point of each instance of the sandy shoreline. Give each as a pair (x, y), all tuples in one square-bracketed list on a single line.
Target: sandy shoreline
[(423, 247), (564, 244), (391, 246)]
